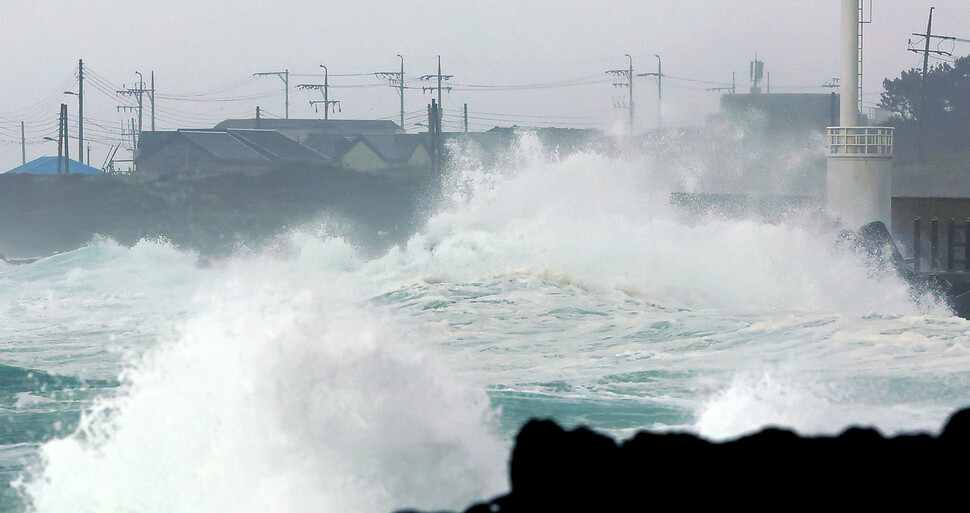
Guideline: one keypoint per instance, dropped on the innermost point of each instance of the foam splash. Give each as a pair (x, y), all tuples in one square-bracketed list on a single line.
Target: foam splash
[(752, 402), (607, 224), (283, 391), (283, 398)]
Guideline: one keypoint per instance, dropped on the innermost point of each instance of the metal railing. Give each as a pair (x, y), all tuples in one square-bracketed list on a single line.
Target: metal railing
[(870, 141)]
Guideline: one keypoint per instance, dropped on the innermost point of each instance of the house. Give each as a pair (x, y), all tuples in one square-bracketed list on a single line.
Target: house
[(785, 113), (387, 154), (300, 129), (193, 153), (277, 147), (234, 147), (48, 166)]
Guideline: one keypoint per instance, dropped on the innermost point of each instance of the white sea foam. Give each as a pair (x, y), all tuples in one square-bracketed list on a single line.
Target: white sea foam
[(279, 397), (286, 383)]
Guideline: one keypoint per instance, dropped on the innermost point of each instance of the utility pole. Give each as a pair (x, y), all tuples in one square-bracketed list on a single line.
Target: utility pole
[(151, 96), (628, 73), (67, 147), (63, 153), (80, 107), (257, 116), (285, 77), (434, 128), (395, 79), (660, 95), (141, 105), (23, 142), (439, 88), (927, 38), (325, 89), (138, 93), (466, 118)]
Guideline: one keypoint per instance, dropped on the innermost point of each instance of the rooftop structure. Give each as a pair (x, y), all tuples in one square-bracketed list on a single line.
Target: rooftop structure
[(48, 166)]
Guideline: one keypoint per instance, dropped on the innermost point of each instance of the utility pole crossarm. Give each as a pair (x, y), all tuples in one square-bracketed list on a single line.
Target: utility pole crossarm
[(285, 77), (629, 75)]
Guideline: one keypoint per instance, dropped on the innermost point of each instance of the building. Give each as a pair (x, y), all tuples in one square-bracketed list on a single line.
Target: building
[(387, 154), (300, 129), (196, 153), (786, 112), (48, 166), (233, 147)]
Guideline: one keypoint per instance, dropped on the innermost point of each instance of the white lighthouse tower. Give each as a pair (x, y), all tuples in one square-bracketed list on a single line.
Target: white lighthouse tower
[(859, 178)]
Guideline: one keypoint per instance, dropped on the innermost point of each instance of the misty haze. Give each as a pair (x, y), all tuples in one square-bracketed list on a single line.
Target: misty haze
[(325, 257)]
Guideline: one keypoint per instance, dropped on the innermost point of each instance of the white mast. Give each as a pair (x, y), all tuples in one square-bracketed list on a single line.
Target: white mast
[(859, 177)]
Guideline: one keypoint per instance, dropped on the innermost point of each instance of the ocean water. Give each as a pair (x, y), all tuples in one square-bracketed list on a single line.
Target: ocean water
[(302, 376)]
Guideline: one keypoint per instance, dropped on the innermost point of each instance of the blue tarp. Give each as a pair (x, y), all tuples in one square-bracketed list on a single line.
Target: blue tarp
[(48, 166)]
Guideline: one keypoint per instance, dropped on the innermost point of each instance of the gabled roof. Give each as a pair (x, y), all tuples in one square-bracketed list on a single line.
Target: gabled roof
[(394, 149), (349, 127), (48, 166), (277, 146), (223, 146), (332, 146)]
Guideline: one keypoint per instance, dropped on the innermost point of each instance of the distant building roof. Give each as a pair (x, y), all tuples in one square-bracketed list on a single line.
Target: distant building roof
[(48, 166), (349, 127), (276, 146), (332, 146), (787, 111), (224, 146), (394, 148)]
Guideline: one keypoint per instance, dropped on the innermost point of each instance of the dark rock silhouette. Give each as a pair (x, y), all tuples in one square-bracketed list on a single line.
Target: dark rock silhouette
[(554, 470)]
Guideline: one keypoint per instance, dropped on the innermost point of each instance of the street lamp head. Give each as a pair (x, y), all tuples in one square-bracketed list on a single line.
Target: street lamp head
[(70, 92), (49, 139)]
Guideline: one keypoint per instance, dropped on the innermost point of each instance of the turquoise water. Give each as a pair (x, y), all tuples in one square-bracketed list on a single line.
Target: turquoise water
[(303, 377)]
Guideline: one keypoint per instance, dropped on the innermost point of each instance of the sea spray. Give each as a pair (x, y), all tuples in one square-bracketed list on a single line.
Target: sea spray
[(278, 398), (306, 378)]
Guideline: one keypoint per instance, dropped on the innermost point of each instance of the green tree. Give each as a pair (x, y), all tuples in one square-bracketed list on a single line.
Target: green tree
[(945, 114)]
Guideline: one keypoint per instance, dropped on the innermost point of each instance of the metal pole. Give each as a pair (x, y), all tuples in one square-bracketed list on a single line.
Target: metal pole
[(326, 87), (23, 142), (67, 147), (630, 82), (660, 94), (141, 88), (401, 90), (60, 138), (80, 107), (934, 244), (922, 100), (440, 111), (152, 98), (466, 118), (286, 83), (849, 83)]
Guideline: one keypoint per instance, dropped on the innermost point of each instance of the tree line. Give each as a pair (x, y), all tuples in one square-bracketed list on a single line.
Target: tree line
[(941, 109)]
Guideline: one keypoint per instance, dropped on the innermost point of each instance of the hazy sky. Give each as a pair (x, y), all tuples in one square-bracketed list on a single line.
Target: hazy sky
[(204, 53)]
